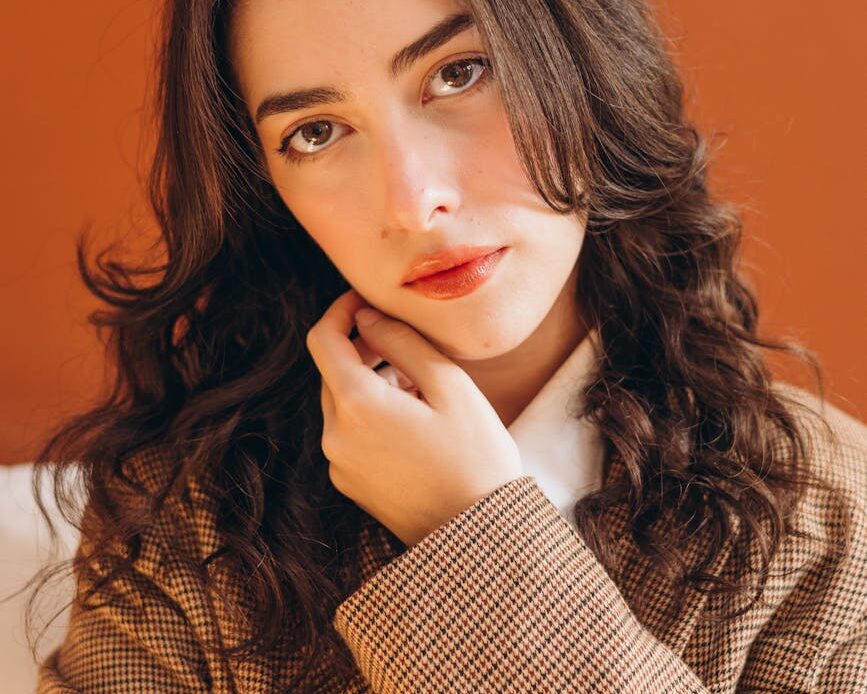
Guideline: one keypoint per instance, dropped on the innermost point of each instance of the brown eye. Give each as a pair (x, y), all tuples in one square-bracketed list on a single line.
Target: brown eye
[(456, 77), (310, 138), (459, 75), (317, 133)]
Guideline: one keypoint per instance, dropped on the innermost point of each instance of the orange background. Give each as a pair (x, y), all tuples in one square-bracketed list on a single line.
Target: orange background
[(781, 82)]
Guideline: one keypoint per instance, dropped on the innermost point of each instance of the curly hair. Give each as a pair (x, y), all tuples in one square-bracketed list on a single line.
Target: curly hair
[(209, 343)]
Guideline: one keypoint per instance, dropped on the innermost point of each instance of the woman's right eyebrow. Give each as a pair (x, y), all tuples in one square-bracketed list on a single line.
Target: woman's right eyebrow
[(438, 35)]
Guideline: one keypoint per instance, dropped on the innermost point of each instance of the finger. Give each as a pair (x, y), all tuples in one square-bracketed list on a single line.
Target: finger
[(403, 381), (368, 356), (431, 372), (329, 345), (326, 400)]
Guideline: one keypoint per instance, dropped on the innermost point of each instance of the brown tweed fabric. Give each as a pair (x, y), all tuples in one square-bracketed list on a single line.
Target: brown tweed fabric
[(507, 597)]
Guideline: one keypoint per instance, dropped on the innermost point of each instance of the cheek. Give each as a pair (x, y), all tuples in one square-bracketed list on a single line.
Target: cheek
[(328, 212), (337, 223), (492, 174)]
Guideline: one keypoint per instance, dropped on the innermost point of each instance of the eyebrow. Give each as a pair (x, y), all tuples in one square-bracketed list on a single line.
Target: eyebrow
[(436, 36)]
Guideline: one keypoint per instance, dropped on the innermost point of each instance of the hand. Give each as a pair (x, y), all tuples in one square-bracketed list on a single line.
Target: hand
[(413, 463)]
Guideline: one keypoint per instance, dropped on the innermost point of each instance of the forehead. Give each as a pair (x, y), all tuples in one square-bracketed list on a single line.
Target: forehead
[(295, 43)]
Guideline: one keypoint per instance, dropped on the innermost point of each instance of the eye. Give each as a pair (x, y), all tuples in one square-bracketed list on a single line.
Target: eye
[(459, 75), (455, 77), (308, 138)]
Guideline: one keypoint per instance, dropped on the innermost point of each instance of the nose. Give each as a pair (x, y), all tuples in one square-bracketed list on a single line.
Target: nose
[(418, 177)]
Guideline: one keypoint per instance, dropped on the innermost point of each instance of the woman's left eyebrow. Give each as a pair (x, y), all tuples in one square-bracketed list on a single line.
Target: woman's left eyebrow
[(438, 35)]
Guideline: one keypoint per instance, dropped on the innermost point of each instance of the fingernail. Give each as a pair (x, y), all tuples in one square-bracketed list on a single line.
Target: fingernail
[(367, 316)]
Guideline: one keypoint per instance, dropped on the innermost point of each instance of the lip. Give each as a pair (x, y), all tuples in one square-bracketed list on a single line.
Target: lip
[(461, 279), (446, 259)]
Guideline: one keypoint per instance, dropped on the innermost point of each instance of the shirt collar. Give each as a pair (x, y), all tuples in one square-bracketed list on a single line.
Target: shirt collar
[(563, 452)]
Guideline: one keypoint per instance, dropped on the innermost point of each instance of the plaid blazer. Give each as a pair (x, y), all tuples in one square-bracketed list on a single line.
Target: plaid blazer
[(507, 597)]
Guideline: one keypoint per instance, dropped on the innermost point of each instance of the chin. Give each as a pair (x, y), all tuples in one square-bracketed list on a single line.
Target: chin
[(477, 345)]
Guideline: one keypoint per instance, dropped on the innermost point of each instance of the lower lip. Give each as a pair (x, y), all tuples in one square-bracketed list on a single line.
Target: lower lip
[(460, 280)]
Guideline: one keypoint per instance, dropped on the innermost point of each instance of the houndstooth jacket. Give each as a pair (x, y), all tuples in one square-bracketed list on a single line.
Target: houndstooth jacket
[(507, 597)]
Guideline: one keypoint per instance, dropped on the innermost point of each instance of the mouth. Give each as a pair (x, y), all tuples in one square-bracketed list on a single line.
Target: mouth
[(459, 280), (446, 259)]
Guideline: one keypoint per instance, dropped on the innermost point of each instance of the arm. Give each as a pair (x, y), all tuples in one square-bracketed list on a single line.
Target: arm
[(152, 628), (504, 597)]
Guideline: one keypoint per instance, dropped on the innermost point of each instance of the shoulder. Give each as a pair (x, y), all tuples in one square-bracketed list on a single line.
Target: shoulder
[(172, 515), (830, 519), (812, 606), (837, 441), (153, 573)]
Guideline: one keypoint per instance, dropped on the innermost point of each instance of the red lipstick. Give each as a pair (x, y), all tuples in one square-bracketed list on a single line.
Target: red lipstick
[(454, 272)]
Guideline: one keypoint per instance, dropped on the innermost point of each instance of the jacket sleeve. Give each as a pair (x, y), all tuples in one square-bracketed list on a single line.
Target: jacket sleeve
[(505, 597)]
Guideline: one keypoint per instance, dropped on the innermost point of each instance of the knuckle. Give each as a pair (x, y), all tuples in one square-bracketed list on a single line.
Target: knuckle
[(392, 332), (392, 337), (352, 402), (310, 338), (329, 447), (334, 476)]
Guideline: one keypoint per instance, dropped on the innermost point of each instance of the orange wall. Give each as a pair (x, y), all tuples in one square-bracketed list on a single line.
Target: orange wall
[(782, 81)]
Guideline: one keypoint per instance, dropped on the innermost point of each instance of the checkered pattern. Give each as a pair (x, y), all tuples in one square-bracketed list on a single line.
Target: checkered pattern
[(506, 597)]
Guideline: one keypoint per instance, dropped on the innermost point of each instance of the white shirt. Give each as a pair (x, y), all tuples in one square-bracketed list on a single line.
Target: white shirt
[(564, 454)]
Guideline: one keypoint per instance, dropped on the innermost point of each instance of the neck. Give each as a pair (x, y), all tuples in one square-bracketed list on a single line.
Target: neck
[(511, 380)]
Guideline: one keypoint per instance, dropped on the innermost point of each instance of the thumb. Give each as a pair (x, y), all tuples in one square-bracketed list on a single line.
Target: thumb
[(436, 376)]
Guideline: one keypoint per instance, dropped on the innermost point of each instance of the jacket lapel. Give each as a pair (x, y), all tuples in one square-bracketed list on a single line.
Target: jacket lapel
[(651, 597)]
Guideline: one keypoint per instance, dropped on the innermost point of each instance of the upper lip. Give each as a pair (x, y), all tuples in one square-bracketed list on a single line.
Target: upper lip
[(431, 263)]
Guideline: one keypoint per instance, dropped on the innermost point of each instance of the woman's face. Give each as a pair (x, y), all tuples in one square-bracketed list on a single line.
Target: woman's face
[(404, 164)]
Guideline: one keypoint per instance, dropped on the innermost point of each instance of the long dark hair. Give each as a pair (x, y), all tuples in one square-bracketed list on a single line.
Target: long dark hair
[(209, 344)]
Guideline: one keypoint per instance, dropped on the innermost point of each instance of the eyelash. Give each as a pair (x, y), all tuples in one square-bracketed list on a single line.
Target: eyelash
[(295, 157)]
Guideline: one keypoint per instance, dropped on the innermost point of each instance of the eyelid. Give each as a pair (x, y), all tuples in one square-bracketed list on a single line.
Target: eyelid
[(289, 154)]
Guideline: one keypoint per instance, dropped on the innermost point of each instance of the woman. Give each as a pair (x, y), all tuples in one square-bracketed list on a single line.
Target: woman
[(574, 472)]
